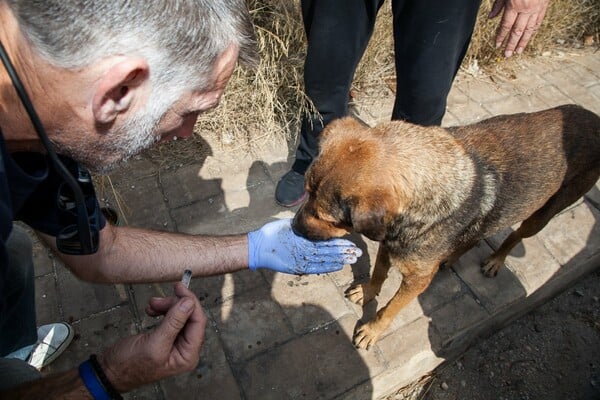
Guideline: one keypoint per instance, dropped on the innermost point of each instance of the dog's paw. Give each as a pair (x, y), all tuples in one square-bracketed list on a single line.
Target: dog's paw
[(491, 266), (366, 336), (360, 294)]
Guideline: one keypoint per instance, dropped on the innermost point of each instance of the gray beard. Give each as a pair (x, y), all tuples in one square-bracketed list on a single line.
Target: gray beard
[(118, 144), (115, 148)]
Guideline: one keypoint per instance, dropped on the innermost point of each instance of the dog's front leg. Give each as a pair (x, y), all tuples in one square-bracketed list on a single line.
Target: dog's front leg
[(364, 293), (414, 282)]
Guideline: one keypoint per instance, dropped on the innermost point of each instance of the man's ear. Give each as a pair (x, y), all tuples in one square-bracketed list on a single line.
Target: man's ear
[(117, 88)]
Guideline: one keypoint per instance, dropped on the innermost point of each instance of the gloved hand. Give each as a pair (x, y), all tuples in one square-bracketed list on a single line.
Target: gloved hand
[(277, 247)]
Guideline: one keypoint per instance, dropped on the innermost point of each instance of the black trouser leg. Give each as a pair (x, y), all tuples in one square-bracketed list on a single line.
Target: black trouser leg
[(338, 33), (431, 38), (17, 320)]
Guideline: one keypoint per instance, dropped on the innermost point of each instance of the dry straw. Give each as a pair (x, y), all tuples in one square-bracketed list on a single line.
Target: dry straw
[(268, 101)]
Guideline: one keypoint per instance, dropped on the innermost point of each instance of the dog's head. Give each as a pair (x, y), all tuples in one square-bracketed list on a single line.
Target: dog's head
[(349, 188)]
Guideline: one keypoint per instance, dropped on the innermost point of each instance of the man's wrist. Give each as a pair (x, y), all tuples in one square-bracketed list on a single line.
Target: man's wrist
[(253, 237), (95, 380), (91, 382), (110, 375)]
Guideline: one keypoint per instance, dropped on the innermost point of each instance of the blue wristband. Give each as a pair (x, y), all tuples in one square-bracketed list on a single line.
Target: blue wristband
[(91, 381)]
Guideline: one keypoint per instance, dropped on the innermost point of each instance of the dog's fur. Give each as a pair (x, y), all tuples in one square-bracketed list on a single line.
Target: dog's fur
[(428, 194)]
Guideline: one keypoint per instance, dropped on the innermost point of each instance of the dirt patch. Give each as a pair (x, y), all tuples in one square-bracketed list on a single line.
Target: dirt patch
[(551, 353)]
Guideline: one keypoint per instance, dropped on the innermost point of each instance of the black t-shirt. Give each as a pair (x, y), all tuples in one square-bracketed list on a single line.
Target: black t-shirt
[(29, 190)]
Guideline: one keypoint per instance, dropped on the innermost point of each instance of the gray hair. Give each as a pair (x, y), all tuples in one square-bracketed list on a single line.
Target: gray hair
[(180, 39)]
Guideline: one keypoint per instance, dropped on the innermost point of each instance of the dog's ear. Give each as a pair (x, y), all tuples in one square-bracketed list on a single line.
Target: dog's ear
[(368, 217)]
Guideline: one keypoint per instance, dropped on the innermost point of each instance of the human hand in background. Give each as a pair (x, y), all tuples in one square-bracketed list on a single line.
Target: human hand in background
[(171, 348), (275, 246), (520, 20)]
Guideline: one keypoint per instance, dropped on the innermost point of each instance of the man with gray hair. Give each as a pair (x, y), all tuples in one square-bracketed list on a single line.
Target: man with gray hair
[(85, 85)]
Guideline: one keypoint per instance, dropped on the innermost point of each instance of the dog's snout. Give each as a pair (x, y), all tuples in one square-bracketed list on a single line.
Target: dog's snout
[(302, 223), (306, 223), (297, 224)]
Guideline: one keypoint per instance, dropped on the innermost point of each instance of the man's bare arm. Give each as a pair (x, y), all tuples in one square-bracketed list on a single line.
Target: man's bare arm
[(128, 255)]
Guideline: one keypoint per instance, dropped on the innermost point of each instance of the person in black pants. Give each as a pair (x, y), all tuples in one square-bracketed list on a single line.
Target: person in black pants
[(430, 41)]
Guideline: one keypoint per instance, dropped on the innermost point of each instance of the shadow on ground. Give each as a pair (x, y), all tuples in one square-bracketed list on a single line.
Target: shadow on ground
[(268, 336)]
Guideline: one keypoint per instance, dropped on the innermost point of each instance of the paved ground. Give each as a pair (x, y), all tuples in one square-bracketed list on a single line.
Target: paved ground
[(274, 336)]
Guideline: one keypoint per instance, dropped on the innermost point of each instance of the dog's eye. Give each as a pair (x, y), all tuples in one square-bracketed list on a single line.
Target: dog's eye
[(346, 213), (339, 209)]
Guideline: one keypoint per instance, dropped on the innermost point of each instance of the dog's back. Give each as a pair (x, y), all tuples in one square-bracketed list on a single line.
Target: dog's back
[(527, 158), (566, 137)]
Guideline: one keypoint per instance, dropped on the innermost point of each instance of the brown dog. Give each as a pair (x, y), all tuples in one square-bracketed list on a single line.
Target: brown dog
[(428, 194)]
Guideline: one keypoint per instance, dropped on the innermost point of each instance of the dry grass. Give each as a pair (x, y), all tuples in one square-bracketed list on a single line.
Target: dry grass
[(414, 391), (267, 103)]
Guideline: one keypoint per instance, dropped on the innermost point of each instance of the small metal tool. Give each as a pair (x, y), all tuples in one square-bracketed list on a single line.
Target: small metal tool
[(187, 277)]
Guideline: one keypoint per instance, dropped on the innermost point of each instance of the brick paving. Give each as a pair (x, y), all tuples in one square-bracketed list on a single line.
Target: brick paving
[(275, 336)]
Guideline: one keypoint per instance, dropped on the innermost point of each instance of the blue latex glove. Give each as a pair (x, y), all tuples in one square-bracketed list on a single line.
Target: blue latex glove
[(277, 247)]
